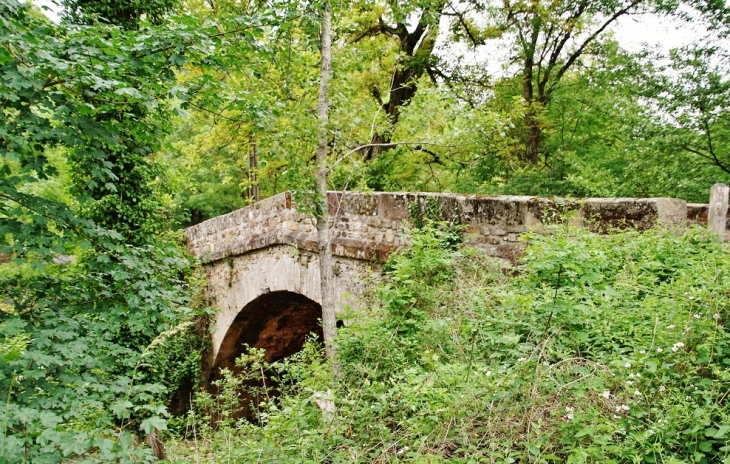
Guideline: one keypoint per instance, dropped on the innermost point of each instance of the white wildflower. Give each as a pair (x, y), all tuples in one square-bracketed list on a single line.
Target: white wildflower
[(629, 382), (716, 316), (677, 346), (521, 359), (697, 316), (606, 394), (661, 388), (651, 432), (687, 398), (488, 373), (622, 407), (627, 365), (659, 350), (671, 326), (642, 352), (637, 393)]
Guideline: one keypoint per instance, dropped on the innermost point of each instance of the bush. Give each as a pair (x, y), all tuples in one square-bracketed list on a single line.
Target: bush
[(90, 352)]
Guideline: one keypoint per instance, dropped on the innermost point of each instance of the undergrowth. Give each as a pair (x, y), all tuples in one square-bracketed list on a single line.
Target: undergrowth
[(601, 349)]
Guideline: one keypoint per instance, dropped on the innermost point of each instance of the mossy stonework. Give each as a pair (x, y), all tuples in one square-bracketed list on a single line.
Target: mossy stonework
[(269, 247)]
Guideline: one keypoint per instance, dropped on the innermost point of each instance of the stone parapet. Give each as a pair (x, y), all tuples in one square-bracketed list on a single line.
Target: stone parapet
[(369, 226)]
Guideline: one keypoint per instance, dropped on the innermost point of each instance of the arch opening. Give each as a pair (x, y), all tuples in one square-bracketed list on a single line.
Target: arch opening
[(278, 322)]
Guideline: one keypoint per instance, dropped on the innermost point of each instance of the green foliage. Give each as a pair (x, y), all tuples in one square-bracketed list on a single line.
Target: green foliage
[(600, 349), (90, 348), (122, 13), (604, 349), (87, 353)]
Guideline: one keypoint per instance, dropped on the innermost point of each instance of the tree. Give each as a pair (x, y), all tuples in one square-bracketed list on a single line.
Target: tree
[(127, 15), (414, 56), (80, 343), (694, 96), (329, 321), (129, 199), (549, 40)]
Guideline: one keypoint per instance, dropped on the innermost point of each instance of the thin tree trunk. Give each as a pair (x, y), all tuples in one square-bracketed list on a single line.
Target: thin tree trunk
[(533, 128), (534, 131), (329, 321), (528, 93)]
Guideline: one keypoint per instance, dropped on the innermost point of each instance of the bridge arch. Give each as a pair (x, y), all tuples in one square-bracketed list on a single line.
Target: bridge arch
[(279, 322)]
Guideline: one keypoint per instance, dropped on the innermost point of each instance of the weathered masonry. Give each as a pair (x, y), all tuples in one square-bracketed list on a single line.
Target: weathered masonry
[(263, 274)]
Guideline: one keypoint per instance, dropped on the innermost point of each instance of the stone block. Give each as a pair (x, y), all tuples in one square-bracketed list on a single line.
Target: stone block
[(475, 239), (603, 214), (374, 221), (392, 205)]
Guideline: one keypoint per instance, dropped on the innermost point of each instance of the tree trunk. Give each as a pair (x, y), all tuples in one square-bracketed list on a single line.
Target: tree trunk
[(534, 131), (528, 94), (415, 51), (329, 321), (376, 146), (531, 122)]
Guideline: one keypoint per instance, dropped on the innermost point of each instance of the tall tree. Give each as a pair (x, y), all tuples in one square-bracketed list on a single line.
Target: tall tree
[(74, 379), (414, 28), (128, 199), (550, 39), (329, 321)]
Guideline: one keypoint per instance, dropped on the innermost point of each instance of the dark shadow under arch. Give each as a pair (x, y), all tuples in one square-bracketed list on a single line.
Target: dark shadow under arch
[(279, 322)]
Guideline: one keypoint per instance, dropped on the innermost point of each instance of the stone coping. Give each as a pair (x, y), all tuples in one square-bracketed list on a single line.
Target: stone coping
[(367, 226)]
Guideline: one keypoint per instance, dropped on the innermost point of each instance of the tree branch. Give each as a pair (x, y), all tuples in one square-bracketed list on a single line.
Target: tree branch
[(382, 145), (381, 28), (576, 54)]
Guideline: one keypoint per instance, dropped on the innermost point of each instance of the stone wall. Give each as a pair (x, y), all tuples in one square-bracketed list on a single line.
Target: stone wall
[(368, 226)]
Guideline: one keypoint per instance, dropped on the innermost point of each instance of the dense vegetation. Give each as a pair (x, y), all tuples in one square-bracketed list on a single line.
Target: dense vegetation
[(599, 349), (121, 122)]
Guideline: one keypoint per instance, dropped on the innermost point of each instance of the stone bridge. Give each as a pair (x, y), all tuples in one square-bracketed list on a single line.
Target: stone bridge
[(262, 270)]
